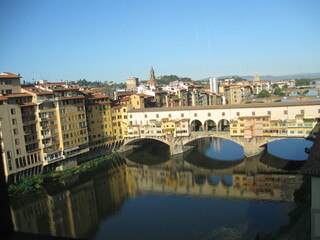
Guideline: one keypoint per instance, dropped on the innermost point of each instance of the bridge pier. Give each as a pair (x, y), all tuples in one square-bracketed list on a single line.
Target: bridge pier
[(178, 148)]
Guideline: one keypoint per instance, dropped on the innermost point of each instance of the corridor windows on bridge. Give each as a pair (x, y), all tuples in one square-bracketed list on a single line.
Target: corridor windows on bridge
[(209, 114), (269, 113), (169, 115), (195, 115), (145, 115), (238, 114), (223, 113), (302, 111), (182, 114), (253, 113), (130, 115), (157, 115), (285, 112)]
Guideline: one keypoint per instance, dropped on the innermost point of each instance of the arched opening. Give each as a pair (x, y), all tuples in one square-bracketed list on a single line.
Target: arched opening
[(213, 180), (196, 126), (224, 125), (210, 125), (227, 180), (200, 179)]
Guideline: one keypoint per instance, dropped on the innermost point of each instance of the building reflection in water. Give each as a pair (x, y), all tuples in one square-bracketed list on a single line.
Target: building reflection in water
[(77, 206)]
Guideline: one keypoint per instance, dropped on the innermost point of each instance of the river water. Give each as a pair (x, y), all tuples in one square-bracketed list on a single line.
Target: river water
[(210, 192)]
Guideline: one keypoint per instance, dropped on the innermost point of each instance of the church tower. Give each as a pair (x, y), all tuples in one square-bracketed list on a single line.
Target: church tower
[(152, 80)]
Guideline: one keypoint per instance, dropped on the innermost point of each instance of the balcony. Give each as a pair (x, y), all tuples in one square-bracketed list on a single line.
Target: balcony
[(45, 136), (51, 149), (47, 145), (28, 119), (31, 138)]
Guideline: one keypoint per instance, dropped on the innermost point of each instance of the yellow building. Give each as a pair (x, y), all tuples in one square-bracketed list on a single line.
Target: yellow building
[(47, 125), (72, 121), (120, 121), (137, 101), (168, 127), (99, 117), (251, 126), (18, 130)]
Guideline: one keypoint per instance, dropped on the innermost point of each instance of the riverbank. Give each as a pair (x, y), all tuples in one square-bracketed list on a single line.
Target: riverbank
[(38, 182)]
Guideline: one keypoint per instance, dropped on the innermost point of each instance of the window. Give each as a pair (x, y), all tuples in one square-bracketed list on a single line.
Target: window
[(157, 115), (209, 114), (223, 114), (130, 115), (238, 114), (234, 131), (182, 115), (302, 111), (18, 151), (16, 141), (195, 114), (13, 111), (14, 121), (145, 115), (269, 113), (253, 113), (15, 131), (285, 112)]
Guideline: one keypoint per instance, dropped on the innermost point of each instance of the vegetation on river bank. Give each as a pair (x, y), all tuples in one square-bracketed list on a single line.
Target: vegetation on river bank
[(38, 182)]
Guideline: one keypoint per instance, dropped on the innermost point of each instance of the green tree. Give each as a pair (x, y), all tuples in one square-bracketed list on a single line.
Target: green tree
[(303, 81), (264, 94), (277, 91), (274, 85)]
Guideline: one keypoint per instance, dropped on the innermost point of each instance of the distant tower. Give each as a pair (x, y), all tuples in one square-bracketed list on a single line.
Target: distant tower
[(132, 82), (214, 85), (256, 78), (152, 77)]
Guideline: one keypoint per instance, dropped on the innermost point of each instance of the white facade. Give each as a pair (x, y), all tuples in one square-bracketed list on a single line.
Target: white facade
[(214, 85), (279, 111)]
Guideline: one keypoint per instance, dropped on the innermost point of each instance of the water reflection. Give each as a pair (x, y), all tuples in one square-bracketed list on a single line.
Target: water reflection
[(153, 201), (293, 149)]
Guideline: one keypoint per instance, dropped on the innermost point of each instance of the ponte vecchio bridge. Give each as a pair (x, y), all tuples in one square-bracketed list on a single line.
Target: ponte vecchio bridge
[(217, 115)]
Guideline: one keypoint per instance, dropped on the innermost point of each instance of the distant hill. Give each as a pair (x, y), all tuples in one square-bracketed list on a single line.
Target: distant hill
[(273, 78)]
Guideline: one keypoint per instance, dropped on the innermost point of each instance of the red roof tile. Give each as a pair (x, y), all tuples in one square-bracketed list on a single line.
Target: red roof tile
[(66, 98), (9, 75), (14, 95)]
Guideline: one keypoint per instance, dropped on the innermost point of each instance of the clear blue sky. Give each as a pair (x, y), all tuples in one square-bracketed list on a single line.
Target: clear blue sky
[(114, 40)]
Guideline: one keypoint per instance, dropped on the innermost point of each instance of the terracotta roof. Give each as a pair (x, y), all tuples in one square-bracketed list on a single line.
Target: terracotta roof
[(14, 95), (97, 96), (9, 75), (103, 102), (3, 98), (27, 104), (144, 95), (37, 91), (125, 94), (65, 89), (66, 98)]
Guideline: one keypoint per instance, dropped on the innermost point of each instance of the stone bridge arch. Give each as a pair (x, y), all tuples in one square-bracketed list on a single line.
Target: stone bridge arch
[(210, 125), (196, 125)]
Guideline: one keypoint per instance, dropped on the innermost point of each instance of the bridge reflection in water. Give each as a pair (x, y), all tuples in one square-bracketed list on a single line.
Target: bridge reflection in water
[(76, 206)]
